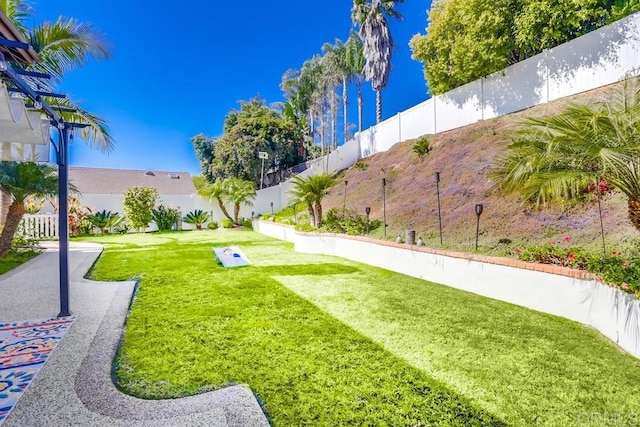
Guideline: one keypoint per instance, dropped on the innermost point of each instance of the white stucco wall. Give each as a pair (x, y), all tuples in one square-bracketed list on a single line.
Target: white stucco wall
[(612, 312)]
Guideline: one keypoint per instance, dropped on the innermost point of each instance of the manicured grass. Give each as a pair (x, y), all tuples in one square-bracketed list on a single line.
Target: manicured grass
[(14, 259), (324, 341)]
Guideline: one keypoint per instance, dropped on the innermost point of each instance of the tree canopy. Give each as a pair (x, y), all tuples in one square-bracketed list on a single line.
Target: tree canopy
[(470, 39), (253, 128)]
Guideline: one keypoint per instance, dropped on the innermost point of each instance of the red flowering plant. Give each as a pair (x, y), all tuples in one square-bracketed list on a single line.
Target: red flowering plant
[(612, 269)]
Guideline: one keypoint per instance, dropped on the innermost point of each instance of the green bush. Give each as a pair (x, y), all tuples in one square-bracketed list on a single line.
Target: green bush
[(226, 223), (247, 223), (613, 269), (422, 146), (213, 225), (164, 217), (348, 222)]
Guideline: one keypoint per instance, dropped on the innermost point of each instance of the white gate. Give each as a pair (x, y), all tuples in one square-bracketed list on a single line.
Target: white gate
[(39, 226)]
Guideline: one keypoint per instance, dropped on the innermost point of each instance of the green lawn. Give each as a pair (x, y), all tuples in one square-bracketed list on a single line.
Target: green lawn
[(15, 259), (325, 341)]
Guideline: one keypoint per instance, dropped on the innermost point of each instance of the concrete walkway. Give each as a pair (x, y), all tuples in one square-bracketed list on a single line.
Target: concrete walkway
[(74, 388)]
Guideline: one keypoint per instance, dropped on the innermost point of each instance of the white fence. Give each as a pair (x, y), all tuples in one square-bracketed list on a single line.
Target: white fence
[(39, 226), (597, 59), (612, 312)]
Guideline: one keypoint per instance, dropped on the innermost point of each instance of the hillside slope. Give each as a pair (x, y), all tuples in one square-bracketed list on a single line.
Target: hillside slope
[(463, 157)]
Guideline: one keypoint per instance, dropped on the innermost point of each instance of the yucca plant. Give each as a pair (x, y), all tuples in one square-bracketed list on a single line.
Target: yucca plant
[(197, 218)]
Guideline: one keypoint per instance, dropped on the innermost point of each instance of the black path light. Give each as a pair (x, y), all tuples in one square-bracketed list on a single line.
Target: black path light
[(295, 214), (344, 203), (437, 175), (479, 209), (271, 207), (384, 204), (367, 210)]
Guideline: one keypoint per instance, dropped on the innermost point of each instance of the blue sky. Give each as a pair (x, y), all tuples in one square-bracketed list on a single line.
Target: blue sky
[(177, 71)]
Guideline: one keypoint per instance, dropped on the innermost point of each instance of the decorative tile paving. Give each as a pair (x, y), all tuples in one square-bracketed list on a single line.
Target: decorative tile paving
[(24, 348)]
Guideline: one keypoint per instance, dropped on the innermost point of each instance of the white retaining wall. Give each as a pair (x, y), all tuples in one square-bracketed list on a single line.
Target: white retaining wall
[(611, 311)]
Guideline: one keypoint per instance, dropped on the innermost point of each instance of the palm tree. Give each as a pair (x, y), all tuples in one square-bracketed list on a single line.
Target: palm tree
[(377, 42), (239, 191), (355, 64), (217, 191), (311, 190), (555, 158), (301, 193), (63, 46), (197, 218), (19, 181)]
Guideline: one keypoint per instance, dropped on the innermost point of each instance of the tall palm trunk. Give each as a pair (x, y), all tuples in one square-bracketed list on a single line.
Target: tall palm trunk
[(224, 209), (378, 105), (5, 202), (334, 119), (312, 214), (318, 215), (634, 211), (14, 215), (345, 104), (236, 213), (360, 107)]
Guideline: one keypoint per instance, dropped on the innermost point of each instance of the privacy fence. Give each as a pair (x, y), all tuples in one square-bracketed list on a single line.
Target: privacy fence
[(597, 59)]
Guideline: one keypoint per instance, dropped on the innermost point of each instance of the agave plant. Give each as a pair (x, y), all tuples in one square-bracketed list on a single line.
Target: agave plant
[(197, 218)]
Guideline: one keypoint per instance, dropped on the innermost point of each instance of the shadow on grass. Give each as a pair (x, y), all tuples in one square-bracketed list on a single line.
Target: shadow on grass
[(307, 269)]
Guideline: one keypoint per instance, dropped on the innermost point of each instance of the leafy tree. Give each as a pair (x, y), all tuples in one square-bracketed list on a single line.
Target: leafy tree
[(556, 158), (310, 191), (197, 218), (63, 46), (255, 128), (19, 181), (238, 192), (470, 39), (164, 217), (204, 148), (138, 204), (371, 16)]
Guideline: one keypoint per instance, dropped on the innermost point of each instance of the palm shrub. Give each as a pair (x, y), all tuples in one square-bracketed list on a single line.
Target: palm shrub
[(310, 191), (197, 218), (422, 146), (164, 217), (20, 181), (556, 158), (104, 220)]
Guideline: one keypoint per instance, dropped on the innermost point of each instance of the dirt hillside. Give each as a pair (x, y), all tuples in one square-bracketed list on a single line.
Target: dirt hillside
[(463, 157)]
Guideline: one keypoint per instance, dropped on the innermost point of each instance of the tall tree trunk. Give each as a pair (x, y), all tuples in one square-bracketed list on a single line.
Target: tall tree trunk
[(312, 214), (5, 202), (345, 104), (224, 209), (318, 214), (360, 107), (634, 211), (378, 105), (334, 120), (236, 213), (14, 215)]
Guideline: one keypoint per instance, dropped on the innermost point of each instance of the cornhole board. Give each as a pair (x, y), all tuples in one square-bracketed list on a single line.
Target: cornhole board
[(231, 256)]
